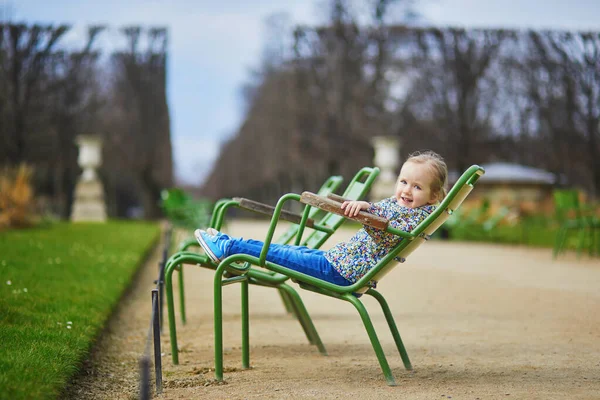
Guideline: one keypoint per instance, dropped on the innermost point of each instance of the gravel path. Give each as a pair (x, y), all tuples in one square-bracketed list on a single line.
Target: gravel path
[(479, 321)]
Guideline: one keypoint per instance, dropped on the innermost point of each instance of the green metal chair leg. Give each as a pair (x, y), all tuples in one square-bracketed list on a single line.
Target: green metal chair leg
[(304, 318), (169, 268), (393, 328), (218, 313), (385, 367), (181, 294), (184, 246), (245, 327), (580, 241), (177, 260), (559, 241), (301, 318), (218, 322), (286, 301)]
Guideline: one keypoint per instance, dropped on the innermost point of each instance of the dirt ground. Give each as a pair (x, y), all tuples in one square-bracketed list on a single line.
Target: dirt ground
[(479, 321)]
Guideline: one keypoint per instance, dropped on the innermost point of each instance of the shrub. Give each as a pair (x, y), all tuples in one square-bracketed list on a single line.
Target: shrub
[(16, 197)]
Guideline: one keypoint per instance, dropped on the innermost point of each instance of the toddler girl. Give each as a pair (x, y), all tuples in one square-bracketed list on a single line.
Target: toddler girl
[(420, 186)]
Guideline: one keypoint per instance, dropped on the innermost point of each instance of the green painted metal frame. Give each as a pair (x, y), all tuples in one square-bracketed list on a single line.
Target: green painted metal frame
[(322, 230), (217, 218), (346, 293)]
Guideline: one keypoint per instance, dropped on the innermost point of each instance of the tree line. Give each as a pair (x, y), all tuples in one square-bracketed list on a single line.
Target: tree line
[(473, 95), (51, 92)]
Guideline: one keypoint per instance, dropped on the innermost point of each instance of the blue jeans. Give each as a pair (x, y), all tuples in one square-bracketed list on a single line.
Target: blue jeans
[(299, 258)]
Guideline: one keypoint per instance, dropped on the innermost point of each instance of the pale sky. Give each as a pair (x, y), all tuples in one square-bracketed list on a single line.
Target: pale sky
[(214, 44)]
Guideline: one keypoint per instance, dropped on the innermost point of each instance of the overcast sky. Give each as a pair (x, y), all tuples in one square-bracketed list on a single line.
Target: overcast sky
[(214, 44)]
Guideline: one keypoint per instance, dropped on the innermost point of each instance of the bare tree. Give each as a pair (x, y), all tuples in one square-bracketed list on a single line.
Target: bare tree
[(71, 106), (140, 135), (474, 95), (26, 52), (564, 78), (49, 95), (456, 66)]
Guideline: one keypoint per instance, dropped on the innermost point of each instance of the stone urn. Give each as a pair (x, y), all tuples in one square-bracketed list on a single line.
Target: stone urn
[(89, 202), (90, 155), (387, 158)]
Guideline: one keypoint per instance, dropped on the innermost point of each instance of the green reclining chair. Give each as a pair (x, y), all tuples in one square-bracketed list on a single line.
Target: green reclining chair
[(229, 271), (217, 218), (322, 228)]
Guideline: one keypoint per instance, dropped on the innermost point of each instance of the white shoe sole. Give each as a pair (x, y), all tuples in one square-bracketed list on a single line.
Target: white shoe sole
[(209, 253)]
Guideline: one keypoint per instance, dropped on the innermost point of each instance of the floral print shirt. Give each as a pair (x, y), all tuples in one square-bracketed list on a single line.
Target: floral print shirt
[(354, 258)]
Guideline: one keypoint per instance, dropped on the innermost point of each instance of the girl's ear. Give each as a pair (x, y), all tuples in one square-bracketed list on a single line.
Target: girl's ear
[(435, 198)]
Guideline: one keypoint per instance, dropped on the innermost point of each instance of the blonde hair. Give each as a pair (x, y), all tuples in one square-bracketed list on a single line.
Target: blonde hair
[(438, 167)]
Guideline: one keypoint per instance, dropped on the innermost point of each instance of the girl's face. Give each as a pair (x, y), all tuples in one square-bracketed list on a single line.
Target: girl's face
[(414, 186)]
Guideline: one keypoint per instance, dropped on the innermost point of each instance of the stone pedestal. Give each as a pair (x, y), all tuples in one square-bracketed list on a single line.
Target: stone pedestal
[(387, 159), (89, 202)]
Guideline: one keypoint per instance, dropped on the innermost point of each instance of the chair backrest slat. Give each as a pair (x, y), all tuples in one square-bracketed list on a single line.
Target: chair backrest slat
[(358, 187), (330, 185)]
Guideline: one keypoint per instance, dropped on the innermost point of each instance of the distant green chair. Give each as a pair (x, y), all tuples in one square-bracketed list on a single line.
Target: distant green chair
[(365, 285), (322, 229), (573, 217)]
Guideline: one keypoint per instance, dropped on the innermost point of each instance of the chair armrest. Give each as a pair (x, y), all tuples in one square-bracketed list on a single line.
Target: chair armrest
[(275, 218), (266, 209), (331, 205), (336, 197)]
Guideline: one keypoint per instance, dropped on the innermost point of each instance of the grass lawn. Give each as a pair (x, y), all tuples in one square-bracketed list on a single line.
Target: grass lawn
[(58, 286)]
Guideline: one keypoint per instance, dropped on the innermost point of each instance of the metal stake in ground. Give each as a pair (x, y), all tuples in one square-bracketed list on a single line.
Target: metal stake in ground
[(157, 351)]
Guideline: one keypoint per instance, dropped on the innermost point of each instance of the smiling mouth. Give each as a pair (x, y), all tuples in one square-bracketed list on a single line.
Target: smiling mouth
[(406, 200)]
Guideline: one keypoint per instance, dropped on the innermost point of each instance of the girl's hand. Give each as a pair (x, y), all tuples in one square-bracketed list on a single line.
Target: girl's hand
[(352, 208)]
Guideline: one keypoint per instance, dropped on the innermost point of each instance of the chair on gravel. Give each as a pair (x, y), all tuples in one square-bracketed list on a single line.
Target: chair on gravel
[(218, 216), (229, 271), (322, 228)]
